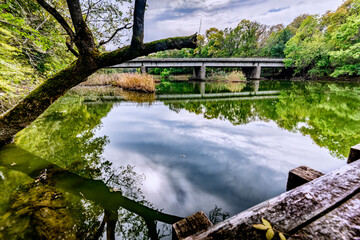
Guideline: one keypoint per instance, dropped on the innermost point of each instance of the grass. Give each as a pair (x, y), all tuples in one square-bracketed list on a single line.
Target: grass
[(127, 81), (234, 76)]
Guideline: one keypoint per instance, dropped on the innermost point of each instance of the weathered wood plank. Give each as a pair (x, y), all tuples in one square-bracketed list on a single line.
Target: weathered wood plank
[(342, 223), (188, 226), (292, 209), (301, 175), (354, 153)]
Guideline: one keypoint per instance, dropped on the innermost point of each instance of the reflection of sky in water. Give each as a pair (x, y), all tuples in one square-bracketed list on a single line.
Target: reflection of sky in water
[(193, 164)]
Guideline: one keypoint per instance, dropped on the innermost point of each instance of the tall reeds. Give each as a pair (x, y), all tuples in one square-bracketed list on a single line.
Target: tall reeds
[(127, 81)]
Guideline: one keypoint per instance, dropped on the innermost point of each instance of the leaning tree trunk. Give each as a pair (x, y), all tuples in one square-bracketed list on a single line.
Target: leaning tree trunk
[(28, 109)]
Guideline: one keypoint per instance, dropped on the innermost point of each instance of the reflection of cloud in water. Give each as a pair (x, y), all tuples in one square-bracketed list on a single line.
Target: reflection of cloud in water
[(233, 167), (165, 187)]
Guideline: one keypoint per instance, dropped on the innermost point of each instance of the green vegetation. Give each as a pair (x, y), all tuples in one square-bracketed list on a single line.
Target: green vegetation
[(234, 76), (31, 47), (328, 113), (327, 45)]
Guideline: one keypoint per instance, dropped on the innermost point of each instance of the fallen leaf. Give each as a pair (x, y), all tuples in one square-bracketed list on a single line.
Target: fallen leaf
[(270, 234), (266, 223), (260, 227), (281, 235)]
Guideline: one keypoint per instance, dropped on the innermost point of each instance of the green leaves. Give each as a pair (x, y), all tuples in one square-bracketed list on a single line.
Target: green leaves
[(270, 231)]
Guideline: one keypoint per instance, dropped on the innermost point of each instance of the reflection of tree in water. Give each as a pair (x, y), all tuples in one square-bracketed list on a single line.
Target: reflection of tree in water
[(328, 113), (60, 203), (218, 215), (235, 111), (65, 135)]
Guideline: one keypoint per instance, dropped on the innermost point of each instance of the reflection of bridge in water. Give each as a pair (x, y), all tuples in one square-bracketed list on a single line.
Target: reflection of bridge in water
[(250, 66), (201, 96)]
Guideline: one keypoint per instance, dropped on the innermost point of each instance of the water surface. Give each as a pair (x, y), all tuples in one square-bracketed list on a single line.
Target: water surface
[(178, 155)]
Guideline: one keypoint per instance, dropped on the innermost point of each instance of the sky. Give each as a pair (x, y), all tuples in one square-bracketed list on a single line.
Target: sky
[(170, 18)]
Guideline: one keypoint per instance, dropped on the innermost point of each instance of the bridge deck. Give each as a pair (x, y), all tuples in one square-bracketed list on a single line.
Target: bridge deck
[(199, 62)]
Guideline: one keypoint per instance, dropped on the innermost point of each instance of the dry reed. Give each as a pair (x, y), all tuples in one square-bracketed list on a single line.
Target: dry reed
[(135, 82), (99, 79), (127, 81)]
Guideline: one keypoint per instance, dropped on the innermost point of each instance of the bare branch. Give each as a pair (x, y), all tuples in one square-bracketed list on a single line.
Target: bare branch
[(127, 26), (88, 11), (38, 27), (89, 8), (138, 27), (58, 17)]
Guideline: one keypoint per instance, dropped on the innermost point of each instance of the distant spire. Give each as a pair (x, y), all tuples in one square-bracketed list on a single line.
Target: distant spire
[(200, 25)]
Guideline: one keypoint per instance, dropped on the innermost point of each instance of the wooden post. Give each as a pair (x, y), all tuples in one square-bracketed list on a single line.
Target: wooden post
[(326, 208), (301, 175), (354, 154), (191, 225)]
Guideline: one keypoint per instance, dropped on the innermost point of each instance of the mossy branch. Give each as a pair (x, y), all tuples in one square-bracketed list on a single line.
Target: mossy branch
[(127, 53)]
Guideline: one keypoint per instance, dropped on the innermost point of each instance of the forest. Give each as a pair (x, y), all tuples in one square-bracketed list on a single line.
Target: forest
[(316, 46)]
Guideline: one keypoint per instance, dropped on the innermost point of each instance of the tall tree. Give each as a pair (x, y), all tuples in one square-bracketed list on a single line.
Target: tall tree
[(89, 60)]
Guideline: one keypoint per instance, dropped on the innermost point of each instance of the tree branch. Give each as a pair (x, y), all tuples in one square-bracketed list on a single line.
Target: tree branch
[(127, 53), (138, 27), (127, 26), (84, 39), (89, 8), (76, 14), (69, 45), (58, 18)]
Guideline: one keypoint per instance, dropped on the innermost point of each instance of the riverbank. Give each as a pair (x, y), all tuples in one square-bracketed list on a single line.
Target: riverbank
[(9, 99)]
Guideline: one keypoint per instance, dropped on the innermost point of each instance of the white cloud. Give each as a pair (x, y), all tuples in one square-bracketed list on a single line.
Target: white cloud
[(182, 17)]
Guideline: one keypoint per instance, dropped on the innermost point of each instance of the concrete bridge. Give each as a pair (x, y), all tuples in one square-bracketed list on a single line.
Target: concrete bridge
[(250, 66)]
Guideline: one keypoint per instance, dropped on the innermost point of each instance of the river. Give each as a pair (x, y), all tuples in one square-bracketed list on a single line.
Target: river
[(214, 147)]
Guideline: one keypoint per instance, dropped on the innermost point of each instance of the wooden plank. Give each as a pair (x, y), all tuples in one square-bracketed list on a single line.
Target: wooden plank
[(193, 224), (342, 223), (301, 175), (292, 209), (354, 153)]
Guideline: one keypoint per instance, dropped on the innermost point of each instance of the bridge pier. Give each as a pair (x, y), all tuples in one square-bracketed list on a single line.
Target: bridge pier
[(143, 70), (256, 85), (255, 73), (200, 73)]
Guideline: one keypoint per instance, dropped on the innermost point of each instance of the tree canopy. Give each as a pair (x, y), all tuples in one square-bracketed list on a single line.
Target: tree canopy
[(84, 39), (314, 45)]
